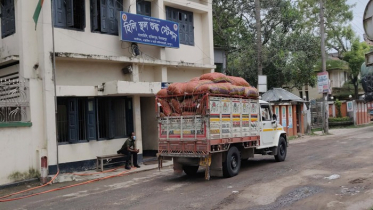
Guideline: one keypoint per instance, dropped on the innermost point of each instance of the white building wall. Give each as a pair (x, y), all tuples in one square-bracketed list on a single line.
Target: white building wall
[(85, 63)]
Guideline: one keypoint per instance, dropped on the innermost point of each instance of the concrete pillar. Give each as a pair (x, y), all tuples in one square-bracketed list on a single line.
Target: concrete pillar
[(137, 122), (27, 43), (45, 44), (129, 6), (135, 73)]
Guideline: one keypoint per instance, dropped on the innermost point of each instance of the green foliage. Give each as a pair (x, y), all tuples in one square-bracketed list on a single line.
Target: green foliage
[(355, 58), (338, 104), (290, 40), (339, 119)]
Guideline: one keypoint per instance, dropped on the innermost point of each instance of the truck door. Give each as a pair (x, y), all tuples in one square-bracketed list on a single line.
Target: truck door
[(267, 132)]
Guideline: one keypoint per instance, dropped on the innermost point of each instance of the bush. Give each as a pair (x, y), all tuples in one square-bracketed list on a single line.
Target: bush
[(339, 119)]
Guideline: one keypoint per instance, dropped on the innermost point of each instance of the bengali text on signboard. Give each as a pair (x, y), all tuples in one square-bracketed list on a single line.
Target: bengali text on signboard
[(148, 30)]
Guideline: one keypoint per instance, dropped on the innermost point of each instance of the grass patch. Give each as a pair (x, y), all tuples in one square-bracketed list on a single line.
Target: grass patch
[(292, 138), (353, 126), (19, 176)]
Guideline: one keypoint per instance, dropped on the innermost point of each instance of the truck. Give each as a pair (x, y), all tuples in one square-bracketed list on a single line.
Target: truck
[(223, 131)]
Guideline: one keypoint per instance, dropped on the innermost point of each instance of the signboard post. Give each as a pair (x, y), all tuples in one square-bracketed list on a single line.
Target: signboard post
[(148, 30), (323, 82), (262, 83)]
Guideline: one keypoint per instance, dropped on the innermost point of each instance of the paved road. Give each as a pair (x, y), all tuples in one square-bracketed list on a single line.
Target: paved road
[(320, 172)]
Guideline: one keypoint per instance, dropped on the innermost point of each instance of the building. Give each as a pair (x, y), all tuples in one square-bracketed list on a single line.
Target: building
[(105, 87), (338, 76)]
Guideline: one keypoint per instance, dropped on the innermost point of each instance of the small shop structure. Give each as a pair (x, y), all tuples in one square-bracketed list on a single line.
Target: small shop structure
[(290, 110)]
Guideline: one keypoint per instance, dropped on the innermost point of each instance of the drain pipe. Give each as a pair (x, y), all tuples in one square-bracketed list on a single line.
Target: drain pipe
[(54, 82)]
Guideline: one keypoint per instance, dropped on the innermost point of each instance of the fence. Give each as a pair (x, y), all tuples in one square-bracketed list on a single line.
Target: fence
[(316, 114), (14, 102)]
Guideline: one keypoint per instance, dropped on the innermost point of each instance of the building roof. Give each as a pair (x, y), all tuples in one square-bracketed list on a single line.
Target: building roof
[(276, 93)]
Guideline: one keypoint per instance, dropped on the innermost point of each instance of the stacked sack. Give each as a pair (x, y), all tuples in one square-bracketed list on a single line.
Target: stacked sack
[(215, 83)]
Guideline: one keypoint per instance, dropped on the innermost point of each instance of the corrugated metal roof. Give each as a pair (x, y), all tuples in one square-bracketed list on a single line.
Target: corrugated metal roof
[(276, 93)]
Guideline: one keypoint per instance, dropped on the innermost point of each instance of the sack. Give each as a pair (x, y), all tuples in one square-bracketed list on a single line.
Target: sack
[(251, 92), (215, 77), (178, 88), (162, 93), (175, 104), (197, 86), (221, 88), (165, 107), (238, 81), (194, 79), (237, 90), (175, 115), (188, 113)]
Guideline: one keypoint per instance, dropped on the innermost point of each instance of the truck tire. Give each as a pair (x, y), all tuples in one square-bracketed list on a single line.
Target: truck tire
[(281, 150), (190, 170), (232, 164)]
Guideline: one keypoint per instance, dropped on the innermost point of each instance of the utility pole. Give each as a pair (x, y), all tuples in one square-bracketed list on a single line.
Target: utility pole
[(258, 36), (323, 59)]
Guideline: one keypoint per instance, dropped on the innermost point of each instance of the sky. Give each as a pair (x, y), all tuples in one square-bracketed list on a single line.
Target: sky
[(358, 10)]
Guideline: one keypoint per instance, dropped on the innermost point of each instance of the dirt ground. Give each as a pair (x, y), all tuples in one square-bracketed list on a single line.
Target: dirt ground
[(320, 172)]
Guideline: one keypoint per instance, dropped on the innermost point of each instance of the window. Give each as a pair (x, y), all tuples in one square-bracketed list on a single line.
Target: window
[(185, 20), (105, 16), (84, 119), (143, 8), (266, 113), (301, 94), (69, 14), (8, 20)]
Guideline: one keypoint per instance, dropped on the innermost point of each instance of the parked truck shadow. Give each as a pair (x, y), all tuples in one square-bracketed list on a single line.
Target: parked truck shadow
[(246, 166)]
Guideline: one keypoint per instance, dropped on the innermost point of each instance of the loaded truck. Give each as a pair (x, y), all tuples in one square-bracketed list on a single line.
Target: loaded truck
[(218, 133)]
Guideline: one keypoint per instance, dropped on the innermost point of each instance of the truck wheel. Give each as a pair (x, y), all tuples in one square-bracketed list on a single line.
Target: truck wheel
[(232, 164), (281, 150), (190, 170)]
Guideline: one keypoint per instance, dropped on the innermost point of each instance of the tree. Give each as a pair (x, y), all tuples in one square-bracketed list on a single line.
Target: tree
[(338, 13), (355, 58)]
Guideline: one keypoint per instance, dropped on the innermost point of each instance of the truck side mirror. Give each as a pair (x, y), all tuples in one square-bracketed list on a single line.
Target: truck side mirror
[(274, 117)]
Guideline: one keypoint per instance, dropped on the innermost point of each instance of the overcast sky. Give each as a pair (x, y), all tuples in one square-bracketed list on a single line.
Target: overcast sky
[(357, 23)]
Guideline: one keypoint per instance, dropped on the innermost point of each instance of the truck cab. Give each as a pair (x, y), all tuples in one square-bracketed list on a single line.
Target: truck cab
[(270, 129)]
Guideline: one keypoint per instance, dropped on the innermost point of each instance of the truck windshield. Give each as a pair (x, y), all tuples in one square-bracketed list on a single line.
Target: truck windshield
[(265, 113)]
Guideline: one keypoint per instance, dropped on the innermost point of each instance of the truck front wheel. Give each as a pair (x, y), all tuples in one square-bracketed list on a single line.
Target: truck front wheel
[(281, 150), (190, 170), (232, 163)]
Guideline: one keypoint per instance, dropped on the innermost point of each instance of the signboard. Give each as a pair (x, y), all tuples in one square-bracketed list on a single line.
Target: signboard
[(283, 116), (323, 82), (262, 83), (164, 85), (290, 117), (350, 107), (148, 30), (277, 112)]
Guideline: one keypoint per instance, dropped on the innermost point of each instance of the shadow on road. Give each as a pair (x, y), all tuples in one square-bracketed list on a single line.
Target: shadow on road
[(246, 165)]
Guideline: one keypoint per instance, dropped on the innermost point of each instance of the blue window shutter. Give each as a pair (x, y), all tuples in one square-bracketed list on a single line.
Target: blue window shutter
[(4, 18), (60, 13), (119, 8), (111, 123), (129, 116), (191, 29), (69, 13), (103, 14), (94, 15), (110, 20), (72, 104), (91, 119), (12, 18)]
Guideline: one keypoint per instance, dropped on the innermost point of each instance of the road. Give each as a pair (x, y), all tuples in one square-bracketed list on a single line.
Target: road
[(320, 172)]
